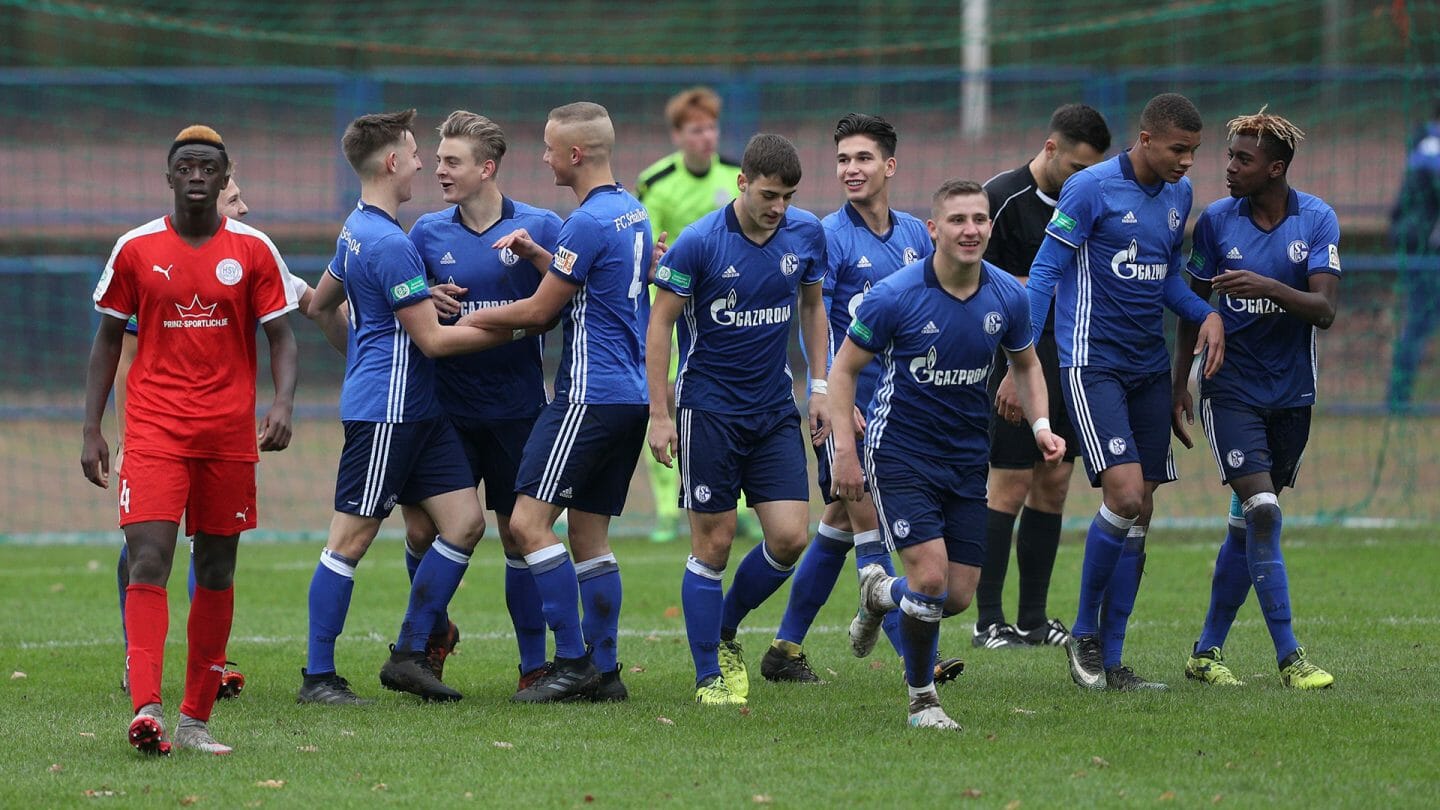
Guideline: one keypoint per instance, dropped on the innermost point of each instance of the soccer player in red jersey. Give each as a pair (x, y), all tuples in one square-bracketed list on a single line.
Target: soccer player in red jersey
[(197, 283)]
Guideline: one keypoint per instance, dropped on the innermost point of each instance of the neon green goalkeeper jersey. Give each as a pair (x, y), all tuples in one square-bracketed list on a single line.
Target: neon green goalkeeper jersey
[(675, 198)]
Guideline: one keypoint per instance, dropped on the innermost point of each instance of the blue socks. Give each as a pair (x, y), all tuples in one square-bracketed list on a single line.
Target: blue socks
[(600, 594), (1230, 584), (815, 579), (330, 590), (920, 636), (559, 598), (1103, 544), (1120, 595), (522, 599), (702, 597), (436, 579), (412, 564), (758, 576), (1267, 570)]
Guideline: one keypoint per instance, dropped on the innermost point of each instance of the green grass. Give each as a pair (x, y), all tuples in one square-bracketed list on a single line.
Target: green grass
[(1366, 611)]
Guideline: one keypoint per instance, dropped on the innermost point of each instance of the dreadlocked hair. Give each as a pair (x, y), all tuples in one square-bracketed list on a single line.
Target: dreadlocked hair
[(1283, 135)]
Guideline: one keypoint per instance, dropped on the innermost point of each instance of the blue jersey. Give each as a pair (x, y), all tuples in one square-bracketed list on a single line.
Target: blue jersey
[(604, 248), (858, 260), (387, 378), (1109, 299), (505, 382), (1269, 354), (936, 353), (735, 330)]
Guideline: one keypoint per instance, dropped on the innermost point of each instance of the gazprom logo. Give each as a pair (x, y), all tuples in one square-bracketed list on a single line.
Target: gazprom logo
[(723, 312), (854, 305), (924, 371), (1124, 265)]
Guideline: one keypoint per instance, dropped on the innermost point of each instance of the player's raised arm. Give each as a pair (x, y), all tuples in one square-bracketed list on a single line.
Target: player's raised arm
[(99, 377), (848, 481)]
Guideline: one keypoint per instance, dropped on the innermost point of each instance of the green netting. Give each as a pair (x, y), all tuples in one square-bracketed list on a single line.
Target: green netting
[(93, 92)]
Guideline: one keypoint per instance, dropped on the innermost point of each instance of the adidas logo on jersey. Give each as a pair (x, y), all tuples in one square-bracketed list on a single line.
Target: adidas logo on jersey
[(447, 258), (1234, 254), (863, 263), (930, 329), (567, 492), (1129, 218), (730, 272)]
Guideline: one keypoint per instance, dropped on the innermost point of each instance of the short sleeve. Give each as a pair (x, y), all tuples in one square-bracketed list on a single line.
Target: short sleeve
[(874, 323), (338, 262), (576, 248), (400, 272), (1075, 213), (272, 294), (115, 292), (682, 265), (1018, 334), (817, 263), (1325, 244), (1203, 257)]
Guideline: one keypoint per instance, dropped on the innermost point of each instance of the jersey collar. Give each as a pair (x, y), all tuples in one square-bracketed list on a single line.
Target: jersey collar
[(1292, 208), (606, 189), (933, 281), (1128, 170), (374, 209), (507, 212), (732, 223), (859, 222)]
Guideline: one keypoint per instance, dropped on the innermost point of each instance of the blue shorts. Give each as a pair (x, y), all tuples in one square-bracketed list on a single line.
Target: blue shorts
[(721, 453), (918, 500), (386, 463), (1246, 439), (1121, 417), (583, 456), (824, 458), (493, 448)]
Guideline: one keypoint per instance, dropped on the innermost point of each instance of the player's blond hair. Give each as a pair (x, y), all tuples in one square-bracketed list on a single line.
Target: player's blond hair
[(198, 134), (1284, 136), (588, 126), (487, 139)]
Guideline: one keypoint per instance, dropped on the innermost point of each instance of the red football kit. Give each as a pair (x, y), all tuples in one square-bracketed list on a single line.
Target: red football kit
[(191, 390)]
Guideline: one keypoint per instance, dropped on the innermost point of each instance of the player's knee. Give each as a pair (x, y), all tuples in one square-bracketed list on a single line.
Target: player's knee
[(1048, 494), (1264, 517), (1006, 491), (468, 534), (929, 583), (1126, 503), (786, 547), (957, 602)]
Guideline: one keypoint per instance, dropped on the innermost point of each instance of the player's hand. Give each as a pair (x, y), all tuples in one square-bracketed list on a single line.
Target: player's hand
[(859, 422), (657, 252), (1052, 447), (520, 244), (1210, 343), (663, 440), (1007, 401), (274, 433), (95, 459), (1182, 415), (819, 422), (1242, 284), (447, 298), (846, 481)]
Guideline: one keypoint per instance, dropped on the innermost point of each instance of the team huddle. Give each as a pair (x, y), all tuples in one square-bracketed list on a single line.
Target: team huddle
[(957, 367)]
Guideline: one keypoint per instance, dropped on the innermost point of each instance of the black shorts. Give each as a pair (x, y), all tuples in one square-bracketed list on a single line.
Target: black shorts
[(1012, 447)]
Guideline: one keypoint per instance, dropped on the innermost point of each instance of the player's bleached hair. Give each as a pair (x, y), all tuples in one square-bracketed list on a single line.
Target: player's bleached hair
[(686, 103), (1169, 111), (487, 139), (1275, 135), (198, 134), (1081, 123), (772, 156), (955, 188), (368, 134), (589, 125), (874, 127)]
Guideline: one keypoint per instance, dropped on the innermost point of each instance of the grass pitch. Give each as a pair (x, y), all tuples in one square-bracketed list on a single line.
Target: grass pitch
[(1365, 605)]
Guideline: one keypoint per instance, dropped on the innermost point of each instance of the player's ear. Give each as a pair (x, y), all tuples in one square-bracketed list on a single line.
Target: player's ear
[(890, 166), (741, 182)]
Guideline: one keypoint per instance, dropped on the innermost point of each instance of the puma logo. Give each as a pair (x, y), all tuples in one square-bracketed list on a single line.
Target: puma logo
[(164, 271)]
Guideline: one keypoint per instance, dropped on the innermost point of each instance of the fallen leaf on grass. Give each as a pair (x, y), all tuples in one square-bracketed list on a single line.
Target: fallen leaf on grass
[(832, 672), (189, 800), (991, 737), (589, 798), (637, 669), (877, 664), (1099, 762), (57, 587), (1217, 798), (744, 711), (346, 733), (1019, 710), (380, 786), (469, 795), (306, 749), (503, 744), (972, 793), (18, 675), (1167, 796), (1013, 805), (762, 798), (93, 565), (271, 783), (1080, 774), (665, 721), (99, 794), (672, 612), (652, 637), (89, 734), (57, 768)]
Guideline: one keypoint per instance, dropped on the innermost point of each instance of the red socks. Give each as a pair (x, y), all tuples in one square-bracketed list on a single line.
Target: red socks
[(211, 613), (147, 621)]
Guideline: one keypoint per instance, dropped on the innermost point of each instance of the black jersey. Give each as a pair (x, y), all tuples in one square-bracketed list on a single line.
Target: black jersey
[(1020, 212)]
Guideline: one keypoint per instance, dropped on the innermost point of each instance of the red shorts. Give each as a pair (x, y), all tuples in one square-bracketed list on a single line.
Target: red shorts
[(216, 496)]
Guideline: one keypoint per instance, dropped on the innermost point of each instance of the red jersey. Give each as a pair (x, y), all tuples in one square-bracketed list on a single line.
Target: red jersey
[(191, 390)]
